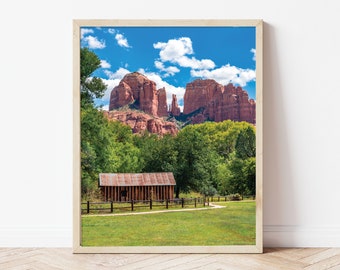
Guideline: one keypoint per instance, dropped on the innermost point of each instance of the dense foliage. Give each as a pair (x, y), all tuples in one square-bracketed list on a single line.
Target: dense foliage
[(208, 158)]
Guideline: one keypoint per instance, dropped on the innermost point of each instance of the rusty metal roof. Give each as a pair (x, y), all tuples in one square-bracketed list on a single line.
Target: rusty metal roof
[(137, 179)]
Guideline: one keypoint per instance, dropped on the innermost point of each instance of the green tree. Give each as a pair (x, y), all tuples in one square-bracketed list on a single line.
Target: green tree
[(90, 87), (195, 161), (241, 176), (249, 172), (158, 154), (246, 143), (223, 175), (105, 147)]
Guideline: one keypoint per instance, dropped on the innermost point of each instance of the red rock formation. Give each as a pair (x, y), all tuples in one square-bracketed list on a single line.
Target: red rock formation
[(142, 122), (219, 103), (121, 95), (237, 106), (199, 93), (136, 87), (174, 108), (148, 99), (162, 104)]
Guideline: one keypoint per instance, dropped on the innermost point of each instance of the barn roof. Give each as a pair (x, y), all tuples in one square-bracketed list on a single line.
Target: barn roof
[(136, 179)]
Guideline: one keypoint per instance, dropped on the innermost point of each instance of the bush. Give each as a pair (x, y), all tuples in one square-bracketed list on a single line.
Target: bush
[(208, 191), (235, 197)]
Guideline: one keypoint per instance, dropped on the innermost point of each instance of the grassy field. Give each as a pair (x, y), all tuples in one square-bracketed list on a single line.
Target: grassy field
[(233, 225)]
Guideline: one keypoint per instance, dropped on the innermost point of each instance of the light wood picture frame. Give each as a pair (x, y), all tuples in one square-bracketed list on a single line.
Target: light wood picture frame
[(209, 78)]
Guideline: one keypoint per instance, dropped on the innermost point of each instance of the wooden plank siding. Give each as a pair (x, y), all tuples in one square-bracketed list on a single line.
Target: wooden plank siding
[(139, 187)]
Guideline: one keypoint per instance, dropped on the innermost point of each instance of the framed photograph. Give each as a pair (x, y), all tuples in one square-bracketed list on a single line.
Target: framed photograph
[(167, 136)]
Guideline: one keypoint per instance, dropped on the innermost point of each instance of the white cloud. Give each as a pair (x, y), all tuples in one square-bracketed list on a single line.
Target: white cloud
[(122, 41), (169, 71), (174, 48), (176, 51), (105, 64), (105, 108), (111, 31), (254, 52), (119, 74), (170, 89), (227, 74), (85, 31), (193, 63), (94, 43)]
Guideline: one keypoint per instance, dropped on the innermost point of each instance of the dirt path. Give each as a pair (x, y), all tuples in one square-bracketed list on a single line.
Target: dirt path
[(211, 206)]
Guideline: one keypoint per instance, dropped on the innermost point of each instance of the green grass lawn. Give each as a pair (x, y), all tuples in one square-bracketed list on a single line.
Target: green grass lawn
[(233, 225)]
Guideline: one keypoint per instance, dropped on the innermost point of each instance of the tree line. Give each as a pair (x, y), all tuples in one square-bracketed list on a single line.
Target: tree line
[(209, 158)]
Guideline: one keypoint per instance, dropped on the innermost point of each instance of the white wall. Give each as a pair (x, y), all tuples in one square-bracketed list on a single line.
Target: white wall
[(302, 113)]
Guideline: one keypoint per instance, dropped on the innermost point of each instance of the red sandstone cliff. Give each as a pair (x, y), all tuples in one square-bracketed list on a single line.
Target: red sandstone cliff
[(203, 99), (174, 108), (218, 102), (142, 122), (162, 110), (137, 88)]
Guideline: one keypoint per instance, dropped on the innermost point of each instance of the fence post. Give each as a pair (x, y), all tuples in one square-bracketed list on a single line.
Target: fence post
[(182, 202), (218, 198), (195, 202), (111, 206), (131, 205), (203, 201), (88, 207), (150, 204), (208, 201), (167, 203)]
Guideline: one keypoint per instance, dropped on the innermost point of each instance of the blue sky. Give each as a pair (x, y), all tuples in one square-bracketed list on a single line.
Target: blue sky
[(174, 56)]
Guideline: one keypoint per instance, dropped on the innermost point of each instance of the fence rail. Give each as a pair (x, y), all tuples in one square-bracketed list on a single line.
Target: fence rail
[(124, 206), (134, 205)]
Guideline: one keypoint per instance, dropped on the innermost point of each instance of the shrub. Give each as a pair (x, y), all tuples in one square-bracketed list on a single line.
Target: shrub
[(235, 197)]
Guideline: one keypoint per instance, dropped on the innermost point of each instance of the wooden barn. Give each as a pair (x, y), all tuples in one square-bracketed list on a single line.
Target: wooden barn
[(137, 186)]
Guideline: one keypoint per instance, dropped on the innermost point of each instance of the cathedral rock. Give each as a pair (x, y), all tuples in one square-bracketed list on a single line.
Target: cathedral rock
[(138, 89)]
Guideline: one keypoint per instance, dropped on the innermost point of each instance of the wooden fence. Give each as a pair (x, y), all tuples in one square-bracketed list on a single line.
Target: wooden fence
[(118, 207), (133, 205)]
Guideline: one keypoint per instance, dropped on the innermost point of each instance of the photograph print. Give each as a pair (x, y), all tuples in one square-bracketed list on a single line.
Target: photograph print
[(168, 136)]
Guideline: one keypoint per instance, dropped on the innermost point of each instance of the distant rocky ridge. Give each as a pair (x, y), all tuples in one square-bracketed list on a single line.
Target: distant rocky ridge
[(203, 100)]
